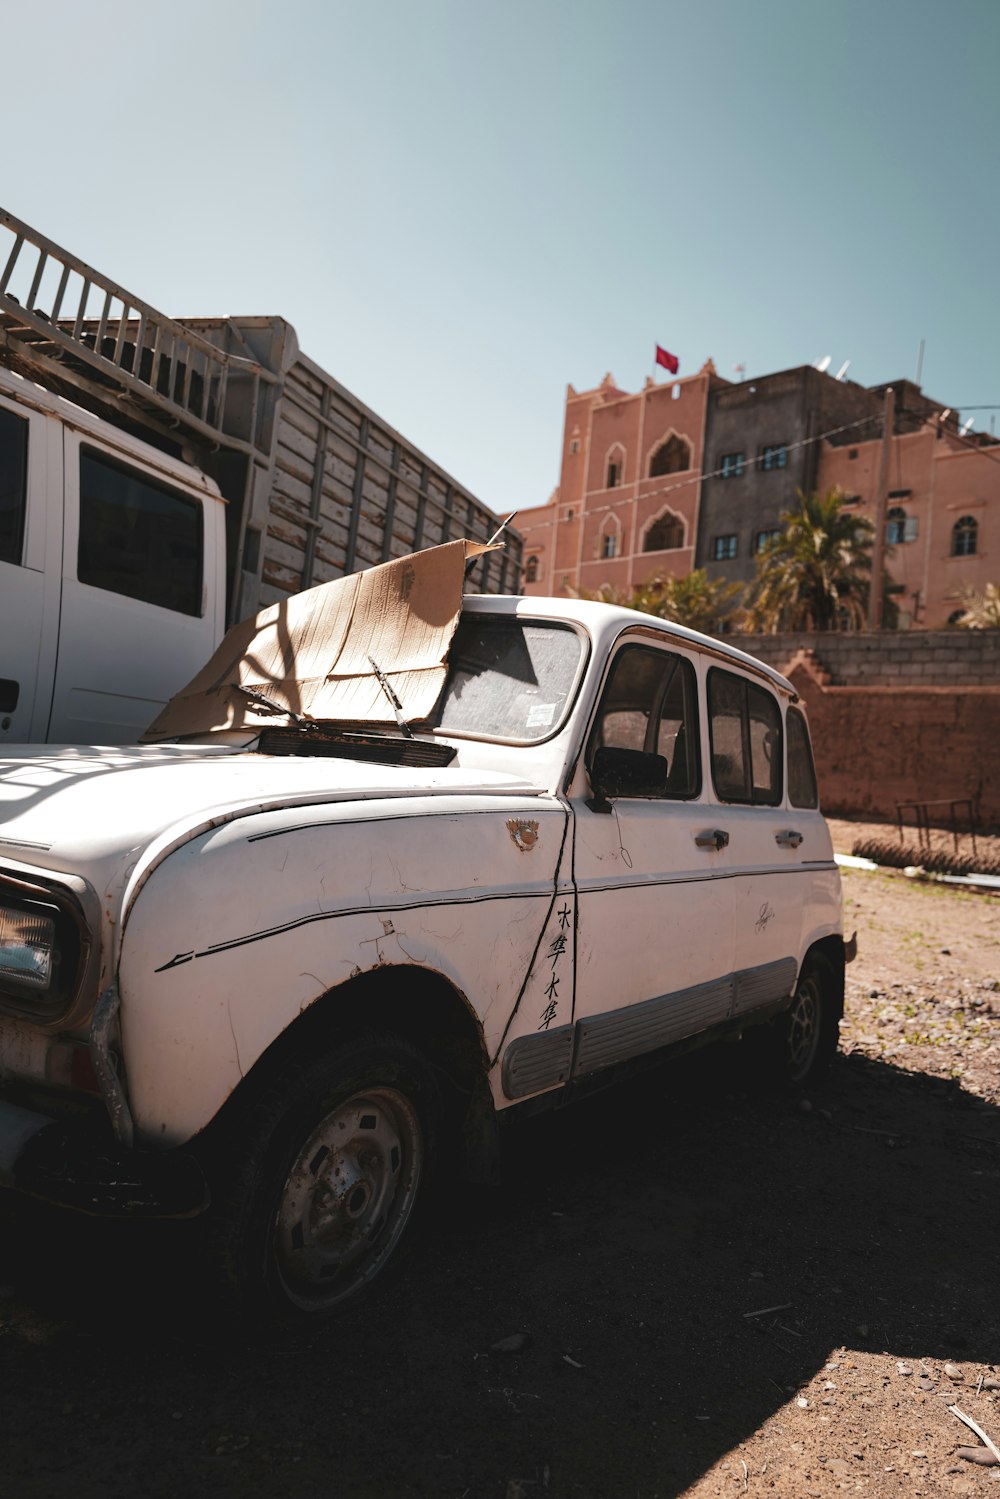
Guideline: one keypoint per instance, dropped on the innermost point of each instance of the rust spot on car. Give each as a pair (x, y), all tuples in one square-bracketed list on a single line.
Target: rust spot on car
[(523, 833)]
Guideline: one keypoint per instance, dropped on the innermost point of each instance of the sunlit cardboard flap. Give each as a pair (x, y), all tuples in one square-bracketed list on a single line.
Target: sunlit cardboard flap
[(313, 652)]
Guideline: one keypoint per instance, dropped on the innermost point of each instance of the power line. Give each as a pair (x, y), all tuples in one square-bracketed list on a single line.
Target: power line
[(927, 421), (716, 473)]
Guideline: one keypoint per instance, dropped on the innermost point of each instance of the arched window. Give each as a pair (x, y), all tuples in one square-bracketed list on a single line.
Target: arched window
[(665, 534), (609, 544), (963, 536), (531, 570), (616, 468), (671, 457)]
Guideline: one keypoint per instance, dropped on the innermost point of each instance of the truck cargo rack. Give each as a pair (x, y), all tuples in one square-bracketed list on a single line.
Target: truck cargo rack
[(109, 350)]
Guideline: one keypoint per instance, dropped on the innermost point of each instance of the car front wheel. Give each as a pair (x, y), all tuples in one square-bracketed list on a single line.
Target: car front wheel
[(327, 1188)]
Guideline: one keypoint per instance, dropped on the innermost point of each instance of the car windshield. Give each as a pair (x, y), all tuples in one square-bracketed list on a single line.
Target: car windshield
[(508, 678)]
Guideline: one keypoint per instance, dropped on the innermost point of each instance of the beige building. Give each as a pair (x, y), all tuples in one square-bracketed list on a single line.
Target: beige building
[(627, 502), (697, 471)]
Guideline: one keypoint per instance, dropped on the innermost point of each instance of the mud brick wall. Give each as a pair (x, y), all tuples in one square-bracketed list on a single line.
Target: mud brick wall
[(944, 658), (877, 746)]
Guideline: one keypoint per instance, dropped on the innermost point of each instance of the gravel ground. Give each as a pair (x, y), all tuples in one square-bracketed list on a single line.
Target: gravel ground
[(710, 1291)]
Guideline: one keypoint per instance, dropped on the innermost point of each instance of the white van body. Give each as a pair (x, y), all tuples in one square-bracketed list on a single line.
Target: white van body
[(85, 662)]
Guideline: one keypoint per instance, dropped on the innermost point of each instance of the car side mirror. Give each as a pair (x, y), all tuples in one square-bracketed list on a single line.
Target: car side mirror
[(624, 772)]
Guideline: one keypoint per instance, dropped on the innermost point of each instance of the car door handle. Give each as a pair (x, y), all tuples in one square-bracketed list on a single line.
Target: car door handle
[(791, 839), (714, 838)]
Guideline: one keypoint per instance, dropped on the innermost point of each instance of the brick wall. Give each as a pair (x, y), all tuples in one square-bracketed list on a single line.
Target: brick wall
[(898, 658), (877, 746)]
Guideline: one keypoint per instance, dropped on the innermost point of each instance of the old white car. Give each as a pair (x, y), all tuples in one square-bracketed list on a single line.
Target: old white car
[(394, 865)]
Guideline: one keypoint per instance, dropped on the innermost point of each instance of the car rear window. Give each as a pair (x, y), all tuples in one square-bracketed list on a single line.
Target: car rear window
[(745, 732)]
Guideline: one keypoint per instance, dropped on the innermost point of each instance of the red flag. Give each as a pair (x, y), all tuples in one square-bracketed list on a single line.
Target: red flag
[(669, 361)]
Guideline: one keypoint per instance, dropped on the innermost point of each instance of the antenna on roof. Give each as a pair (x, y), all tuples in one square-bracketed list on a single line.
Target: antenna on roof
[(843, 370), (824, 364), (965, 427)]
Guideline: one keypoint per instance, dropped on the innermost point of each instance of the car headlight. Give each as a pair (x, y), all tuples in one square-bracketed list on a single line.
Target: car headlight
[(27, 949)]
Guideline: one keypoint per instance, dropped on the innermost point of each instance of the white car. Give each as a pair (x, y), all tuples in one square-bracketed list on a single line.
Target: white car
[(268, 970)]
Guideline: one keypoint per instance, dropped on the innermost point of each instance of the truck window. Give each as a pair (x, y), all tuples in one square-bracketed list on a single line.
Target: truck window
[(13, 484), (650, 703), (801, 770), (745, 731), (138, 537)]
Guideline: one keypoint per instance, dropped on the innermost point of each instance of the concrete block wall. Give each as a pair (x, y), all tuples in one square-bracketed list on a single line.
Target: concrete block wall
[(896, 658), (878, 746)]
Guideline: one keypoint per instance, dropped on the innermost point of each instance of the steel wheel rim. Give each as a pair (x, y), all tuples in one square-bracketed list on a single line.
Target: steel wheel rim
[(347, 1198), (803, 1028)]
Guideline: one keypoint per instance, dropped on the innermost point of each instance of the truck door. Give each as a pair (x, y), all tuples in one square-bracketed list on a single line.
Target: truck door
[(139, 607), (31, 507)]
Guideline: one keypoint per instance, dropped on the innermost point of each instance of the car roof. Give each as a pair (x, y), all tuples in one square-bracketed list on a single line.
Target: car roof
[(605, 622)]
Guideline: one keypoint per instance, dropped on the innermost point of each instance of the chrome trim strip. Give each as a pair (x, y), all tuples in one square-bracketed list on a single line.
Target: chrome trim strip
[(549, 1058)]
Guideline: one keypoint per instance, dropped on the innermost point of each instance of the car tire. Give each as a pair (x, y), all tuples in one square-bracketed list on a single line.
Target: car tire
[(320, 1199), (799, 1044)]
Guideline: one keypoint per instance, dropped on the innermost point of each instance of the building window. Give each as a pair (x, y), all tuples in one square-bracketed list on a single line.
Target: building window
[(774, 455), (671, 457), (664, 535), (574, 446), (731, 465), (900, 527), (531, 570), (852, 453), (963, 536), (723, 548), (762, 538), (849, 499), (609, 544), (616, 468)]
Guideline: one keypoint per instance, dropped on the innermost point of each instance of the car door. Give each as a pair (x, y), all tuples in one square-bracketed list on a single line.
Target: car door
[(763, 850), (654, 941), (31, 508)]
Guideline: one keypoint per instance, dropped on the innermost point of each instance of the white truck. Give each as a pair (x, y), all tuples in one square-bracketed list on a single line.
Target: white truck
[(160, 480), (392, 865)]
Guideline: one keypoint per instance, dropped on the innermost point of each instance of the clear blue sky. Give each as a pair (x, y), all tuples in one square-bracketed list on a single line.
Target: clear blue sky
[(462, 207)]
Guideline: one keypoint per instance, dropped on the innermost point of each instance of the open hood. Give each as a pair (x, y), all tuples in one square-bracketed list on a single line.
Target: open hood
[(315, 653)]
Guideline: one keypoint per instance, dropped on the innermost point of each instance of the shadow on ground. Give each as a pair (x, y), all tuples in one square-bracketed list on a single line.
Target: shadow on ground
[(630, 1238)]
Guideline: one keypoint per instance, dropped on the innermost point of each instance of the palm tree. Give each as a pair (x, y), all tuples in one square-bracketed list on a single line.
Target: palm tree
[(982, 610), (815, 574), (694, 600)]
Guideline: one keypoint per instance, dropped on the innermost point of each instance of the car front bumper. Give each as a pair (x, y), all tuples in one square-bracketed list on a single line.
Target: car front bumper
[(73, 1165)]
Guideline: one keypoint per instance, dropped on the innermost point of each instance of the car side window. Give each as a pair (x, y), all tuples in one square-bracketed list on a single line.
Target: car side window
[(802, 790), (650, 706), (746, 740)]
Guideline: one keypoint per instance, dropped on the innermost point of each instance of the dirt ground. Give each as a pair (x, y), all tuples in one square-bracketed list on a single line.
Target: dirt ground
[(717, 1291)]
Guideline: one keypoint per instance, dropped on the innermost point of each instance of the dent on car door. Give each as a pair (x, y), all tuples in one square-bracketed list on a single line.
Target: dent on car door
[(655, 933)]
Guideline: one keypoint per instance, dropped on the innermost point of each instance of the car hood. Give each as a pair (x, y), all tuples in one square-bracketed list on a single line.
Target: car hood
[(80, 809)]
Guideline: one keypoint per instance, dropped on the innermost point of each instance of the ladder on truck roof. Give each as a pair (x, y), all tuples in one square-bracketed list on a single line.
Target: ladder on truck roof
[(114, 353)]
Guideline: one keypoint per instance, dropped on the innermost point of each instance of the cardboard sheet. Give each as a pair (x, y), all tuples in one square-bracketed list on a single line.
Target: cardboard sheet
[(310, 653)]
